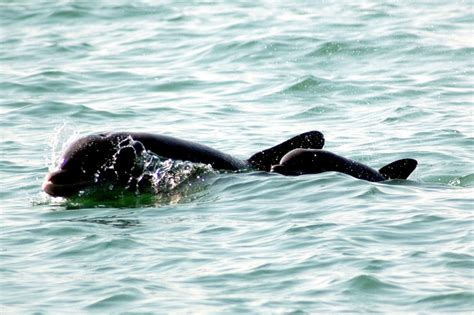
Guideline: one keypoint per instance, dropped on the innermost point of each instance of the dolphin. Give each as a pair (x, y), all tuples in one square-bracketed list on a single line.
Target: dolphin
[(113, 158), (314, 161)]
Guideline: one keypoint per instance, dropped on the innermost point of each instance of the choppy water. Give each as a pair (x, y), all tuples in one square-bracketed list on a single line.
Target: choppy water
[(382, 81)]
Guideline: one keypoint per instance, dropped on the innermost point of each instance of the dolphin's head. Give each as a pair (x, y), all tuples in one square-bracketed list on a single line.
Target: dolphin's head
[(302, 161), (91, 161)]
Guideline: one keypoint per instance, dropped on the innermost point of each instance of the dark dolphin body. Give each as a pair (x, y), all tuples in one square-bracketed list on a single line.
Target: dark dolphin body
[(314, 161), (106, 158)]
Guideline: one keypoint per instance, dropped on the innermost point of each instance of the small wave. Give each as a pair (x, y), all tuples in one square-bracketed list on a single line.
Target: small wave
[(459, 260), (17, 13), (311, 227), (369, 284), (61, 48), (307, 83), (115, 11), (53, 73), (177, 86), (69, 12), (378, 265), (217, 230), (404, 35), (99, 246), (313, 111), (116, 300), (450, 300), (15, 88), (405, 113), (44, 109), (436, 50), (114, 221), (370, 192), (330, 49)]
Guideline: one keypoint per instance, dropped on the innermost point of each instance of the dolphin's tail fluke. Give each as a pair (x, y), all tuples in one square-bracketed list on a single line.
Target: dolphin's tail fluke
[(263, 160), (400, 169)]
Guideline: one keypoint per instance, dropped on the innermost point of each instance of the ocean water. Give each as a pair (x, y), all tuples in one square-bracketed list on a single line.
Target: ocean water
[(382, 81)]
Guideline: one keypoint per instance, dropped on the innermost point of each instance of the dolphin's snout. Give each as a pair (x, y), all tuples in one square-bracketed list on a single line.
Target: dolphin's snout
[(284, 170), (278, 168), (62, 183), (48, 187), (52, 181), (58, 177)]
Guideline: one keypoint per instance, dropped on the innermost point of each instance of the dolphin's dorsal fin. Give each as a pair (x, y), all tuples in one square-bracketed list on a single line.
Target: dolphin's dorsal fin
[(399, 169)]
